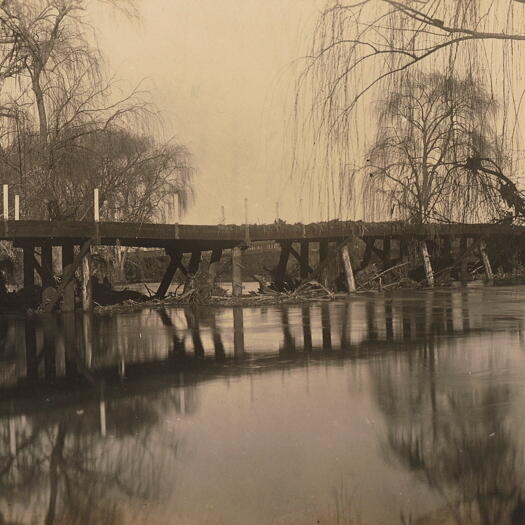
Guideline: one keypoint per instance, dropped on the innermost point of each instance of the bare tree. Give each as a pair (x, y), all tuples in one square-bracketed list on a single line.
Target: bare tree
[(426, 129), (67, 117)]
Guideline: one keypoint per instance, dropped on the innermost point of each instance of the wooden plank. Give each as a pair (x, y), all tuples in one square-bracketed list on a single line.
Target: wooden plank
[(137, 234)]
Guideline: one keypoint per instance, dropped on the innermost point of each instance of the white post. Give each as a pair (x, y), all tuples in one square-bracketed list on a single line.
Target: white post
[(301, 216), (245, 210), (223, 216), (277, 211), (96, 205), (6, 202), (17, 207)]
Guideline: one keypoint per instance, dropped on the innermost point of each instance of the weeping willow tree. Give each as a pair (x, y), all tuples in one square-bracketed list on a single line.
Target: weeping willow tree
[(415, 169), (361, 51), (65, 128)]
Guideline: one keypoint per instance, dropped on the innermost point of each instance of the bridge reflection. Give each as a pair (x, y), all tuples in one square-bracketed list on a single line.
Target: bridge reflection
[(74, 352), (87, 402)]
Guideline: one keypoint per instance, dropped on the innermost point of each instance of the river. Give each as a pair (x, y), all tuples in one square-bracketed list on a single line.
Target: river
[(404, 408)]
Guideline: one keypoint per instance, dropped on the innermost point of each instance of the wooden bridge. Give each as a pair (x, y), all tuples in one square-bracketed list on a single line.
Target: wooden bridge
[(388, 241)]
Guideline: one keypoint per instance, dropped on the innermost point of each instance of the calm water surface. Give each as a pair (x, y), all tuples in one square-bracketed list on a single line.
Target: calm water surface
[(394, 409)]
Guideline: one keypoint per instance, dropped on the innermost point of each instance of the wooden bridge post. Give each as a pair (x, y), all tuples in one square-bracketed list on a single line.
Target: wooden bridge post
[(236, 271), (215, 260), (68, 255), (403, 249), (349, 272), (323, 254), (175, 257), (193, 268), (463, 247), (386, 252), (280, 271), (46, 260), (87, 284), (426, 262), (447, 248), (29, 273), (305, 259), (486, 261)]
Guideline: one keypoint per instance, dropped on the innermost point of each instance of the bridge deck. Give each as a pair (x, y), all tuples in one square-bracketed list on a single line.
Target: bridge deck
[(224, 236)]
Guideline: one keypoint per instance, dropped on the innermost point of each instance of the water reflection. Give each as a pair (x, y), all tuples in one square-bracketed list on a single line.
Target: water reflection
[(93, 411)]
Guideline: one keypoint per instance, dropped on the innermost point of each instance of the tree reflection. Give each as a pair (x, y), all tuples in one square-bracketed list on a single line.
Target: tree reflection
[(63, 471), (454, 435)]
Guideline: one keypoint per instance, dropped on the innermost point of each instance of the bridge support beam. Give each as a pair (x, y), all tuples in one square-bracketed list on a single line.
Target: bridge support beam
[(426, 262), (174, 264), (46, 262), (486, 261), (386, 252), (193, 268), (305, 260), (29, 274), (463, 248), (236, 271), (68, 255), (214, 266), (280, 270), (323, 255)]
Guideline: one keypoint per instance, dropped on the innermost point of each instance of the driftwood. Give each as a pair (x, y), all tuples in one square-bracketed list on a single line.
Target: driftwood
[(379, 275)]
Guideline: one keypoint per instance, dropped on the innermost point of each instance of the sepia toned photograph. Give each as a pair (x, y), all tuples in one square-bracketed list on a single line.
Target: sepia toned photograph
[(262, 262)]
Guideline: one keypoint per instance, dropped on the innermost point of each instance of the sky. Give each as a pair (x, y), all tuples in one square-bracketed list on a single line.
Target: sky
[(222, 74)]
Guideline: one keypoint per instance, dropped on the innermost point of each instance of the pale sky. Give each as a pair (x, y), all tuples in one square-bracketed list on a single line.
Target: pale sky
[(222, 73)]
